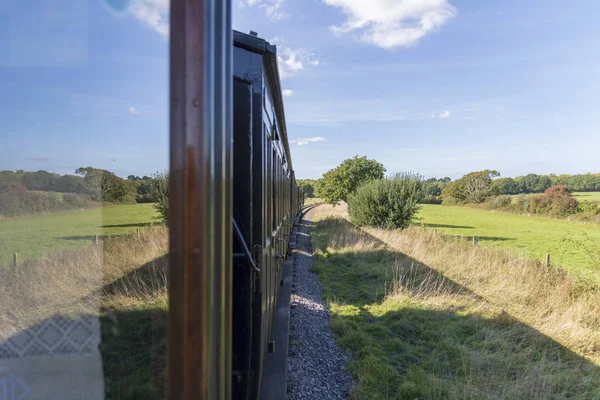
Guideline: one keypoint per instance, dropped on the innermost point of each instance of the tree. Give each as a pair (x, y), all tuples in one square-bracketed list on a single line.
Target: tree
[(478, 185), (505, 186), (434, 188), (389, 203), (105, 186), (307, 186), (160, 192), (341, 182), (472, 188), (70, 184), (533, 183)]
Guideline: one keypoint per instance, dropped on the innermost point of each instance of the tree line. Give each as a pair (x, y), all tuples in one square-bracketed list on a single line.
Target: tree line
[(493, 184), (390, 202), (99, 184), (27, 193)]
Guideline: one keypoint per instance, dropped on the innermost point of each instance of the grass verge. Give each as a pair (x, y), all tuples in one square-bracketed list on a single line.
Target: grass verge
[(429, 317)]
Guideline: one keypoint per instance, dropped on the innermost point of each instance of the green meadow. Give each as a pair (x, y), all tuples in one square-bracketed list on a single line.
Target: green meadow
[(31, 237), (572, 245), (590, 196)]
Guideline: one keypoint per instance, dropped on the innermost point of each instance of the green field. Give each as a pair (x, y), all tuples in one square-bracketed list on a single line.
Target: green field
[(33, 236), (532, 236), (590, 196)]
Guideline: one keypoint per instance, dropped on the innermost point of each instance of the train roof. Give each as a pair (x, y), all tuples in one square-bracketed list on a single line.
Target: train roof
[(269, 53)]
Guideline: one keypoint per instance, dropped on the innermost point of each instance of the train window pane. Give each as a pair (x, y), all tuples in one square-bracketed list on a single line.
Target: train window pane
[(83, 161)]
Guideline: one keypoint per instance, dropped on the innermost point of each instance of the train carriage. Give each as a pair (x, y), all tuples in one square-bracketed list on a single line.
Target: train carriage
[(233, 201), (266, 200)]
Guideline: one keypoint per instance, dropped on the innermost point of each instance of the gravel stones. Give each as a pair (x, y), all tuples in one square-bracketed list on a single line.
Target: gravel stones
[(316, 366)]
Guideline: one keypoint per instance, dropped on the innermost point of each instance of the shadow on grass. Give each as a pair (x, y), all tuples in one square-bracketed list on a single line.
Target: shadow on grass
[(145, 281), (434, 338), (485, 238), (129, 331), (134, 341), (449, 226), (79, 237), (91, 238), (140, 225), (134, 351), (132, 345)]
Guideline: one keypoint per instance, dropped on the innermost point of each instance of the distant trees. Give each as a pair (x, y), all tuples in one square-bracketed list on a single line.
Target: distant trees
[(16, 201), (102, 185), (505, 186), (307, 186), (533, 183), (98, 184), (471, 188), (339, 183), (45, 181), (388, 203), (433, 188), (27, 193)]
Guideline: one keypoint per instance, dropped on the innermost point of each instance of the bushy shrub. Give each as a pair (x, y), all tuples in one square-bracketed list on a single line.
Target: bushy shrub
[(431, 200), (588, 207), (553, 205), (558, 190), (451, 201), (160, 192), (522, 203), (388, 203), (501, 202), (17, 201), (74, 200)]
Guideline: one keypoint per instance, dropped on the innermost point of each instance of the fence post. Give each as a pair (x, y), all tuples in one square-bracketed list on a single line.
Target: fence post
[(15, 261), (547, 260), (138, 232), (435, 232), (96, 239), (474, 240)]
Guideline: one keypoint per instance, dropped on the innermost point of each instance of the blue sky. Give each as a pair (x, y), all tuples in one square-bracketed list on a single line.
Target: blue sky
[(433, 86)]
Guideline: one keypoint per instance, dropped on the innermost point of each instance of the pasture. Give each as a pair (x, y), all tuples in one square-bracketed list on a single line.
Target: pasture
[(572, 245), (590, 196), (34, 236)]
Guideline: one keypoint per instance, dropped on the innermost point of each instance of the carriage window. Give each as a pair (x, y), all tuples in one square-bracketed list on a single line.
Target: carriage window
[(83, 201)]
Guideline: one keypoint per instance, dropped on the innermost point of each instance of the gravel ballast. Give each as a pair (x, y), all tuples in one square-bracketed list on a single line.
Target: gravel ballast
[(316, 365)]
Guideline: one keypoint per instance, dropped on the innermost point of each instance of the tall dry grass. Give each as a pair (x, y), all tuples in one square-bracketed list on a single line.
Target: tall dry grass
[(124, 269), (552, 301)]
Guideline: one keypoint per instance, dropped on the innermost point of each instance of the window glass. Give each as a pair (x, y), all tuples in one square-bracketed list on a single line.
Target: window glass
[(83, 160)]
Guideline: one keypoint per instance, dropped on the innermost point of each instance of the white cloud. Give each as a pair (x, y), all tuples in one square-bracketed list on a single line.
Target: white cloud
[(392, 23), (305, 141), (273, 8), (293, 60), (134, 111), (288, 92), (445, 114), (154, 13), (277, 40)]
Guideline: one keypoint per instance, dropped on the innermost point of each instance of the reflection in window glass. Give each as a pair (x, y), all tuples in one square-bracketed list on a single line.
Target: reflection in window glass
[(83, 155)]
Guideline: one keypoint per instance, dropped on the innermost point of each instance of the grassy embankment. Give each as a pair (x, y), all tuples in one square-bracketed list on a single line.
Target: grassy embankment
[(122, 280), (572, 245), (34, 236), (434, 317)]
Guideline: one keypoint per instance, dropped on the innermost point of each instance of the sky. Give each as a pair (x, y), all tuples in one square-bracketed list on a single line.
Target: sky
[(438, 87)]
